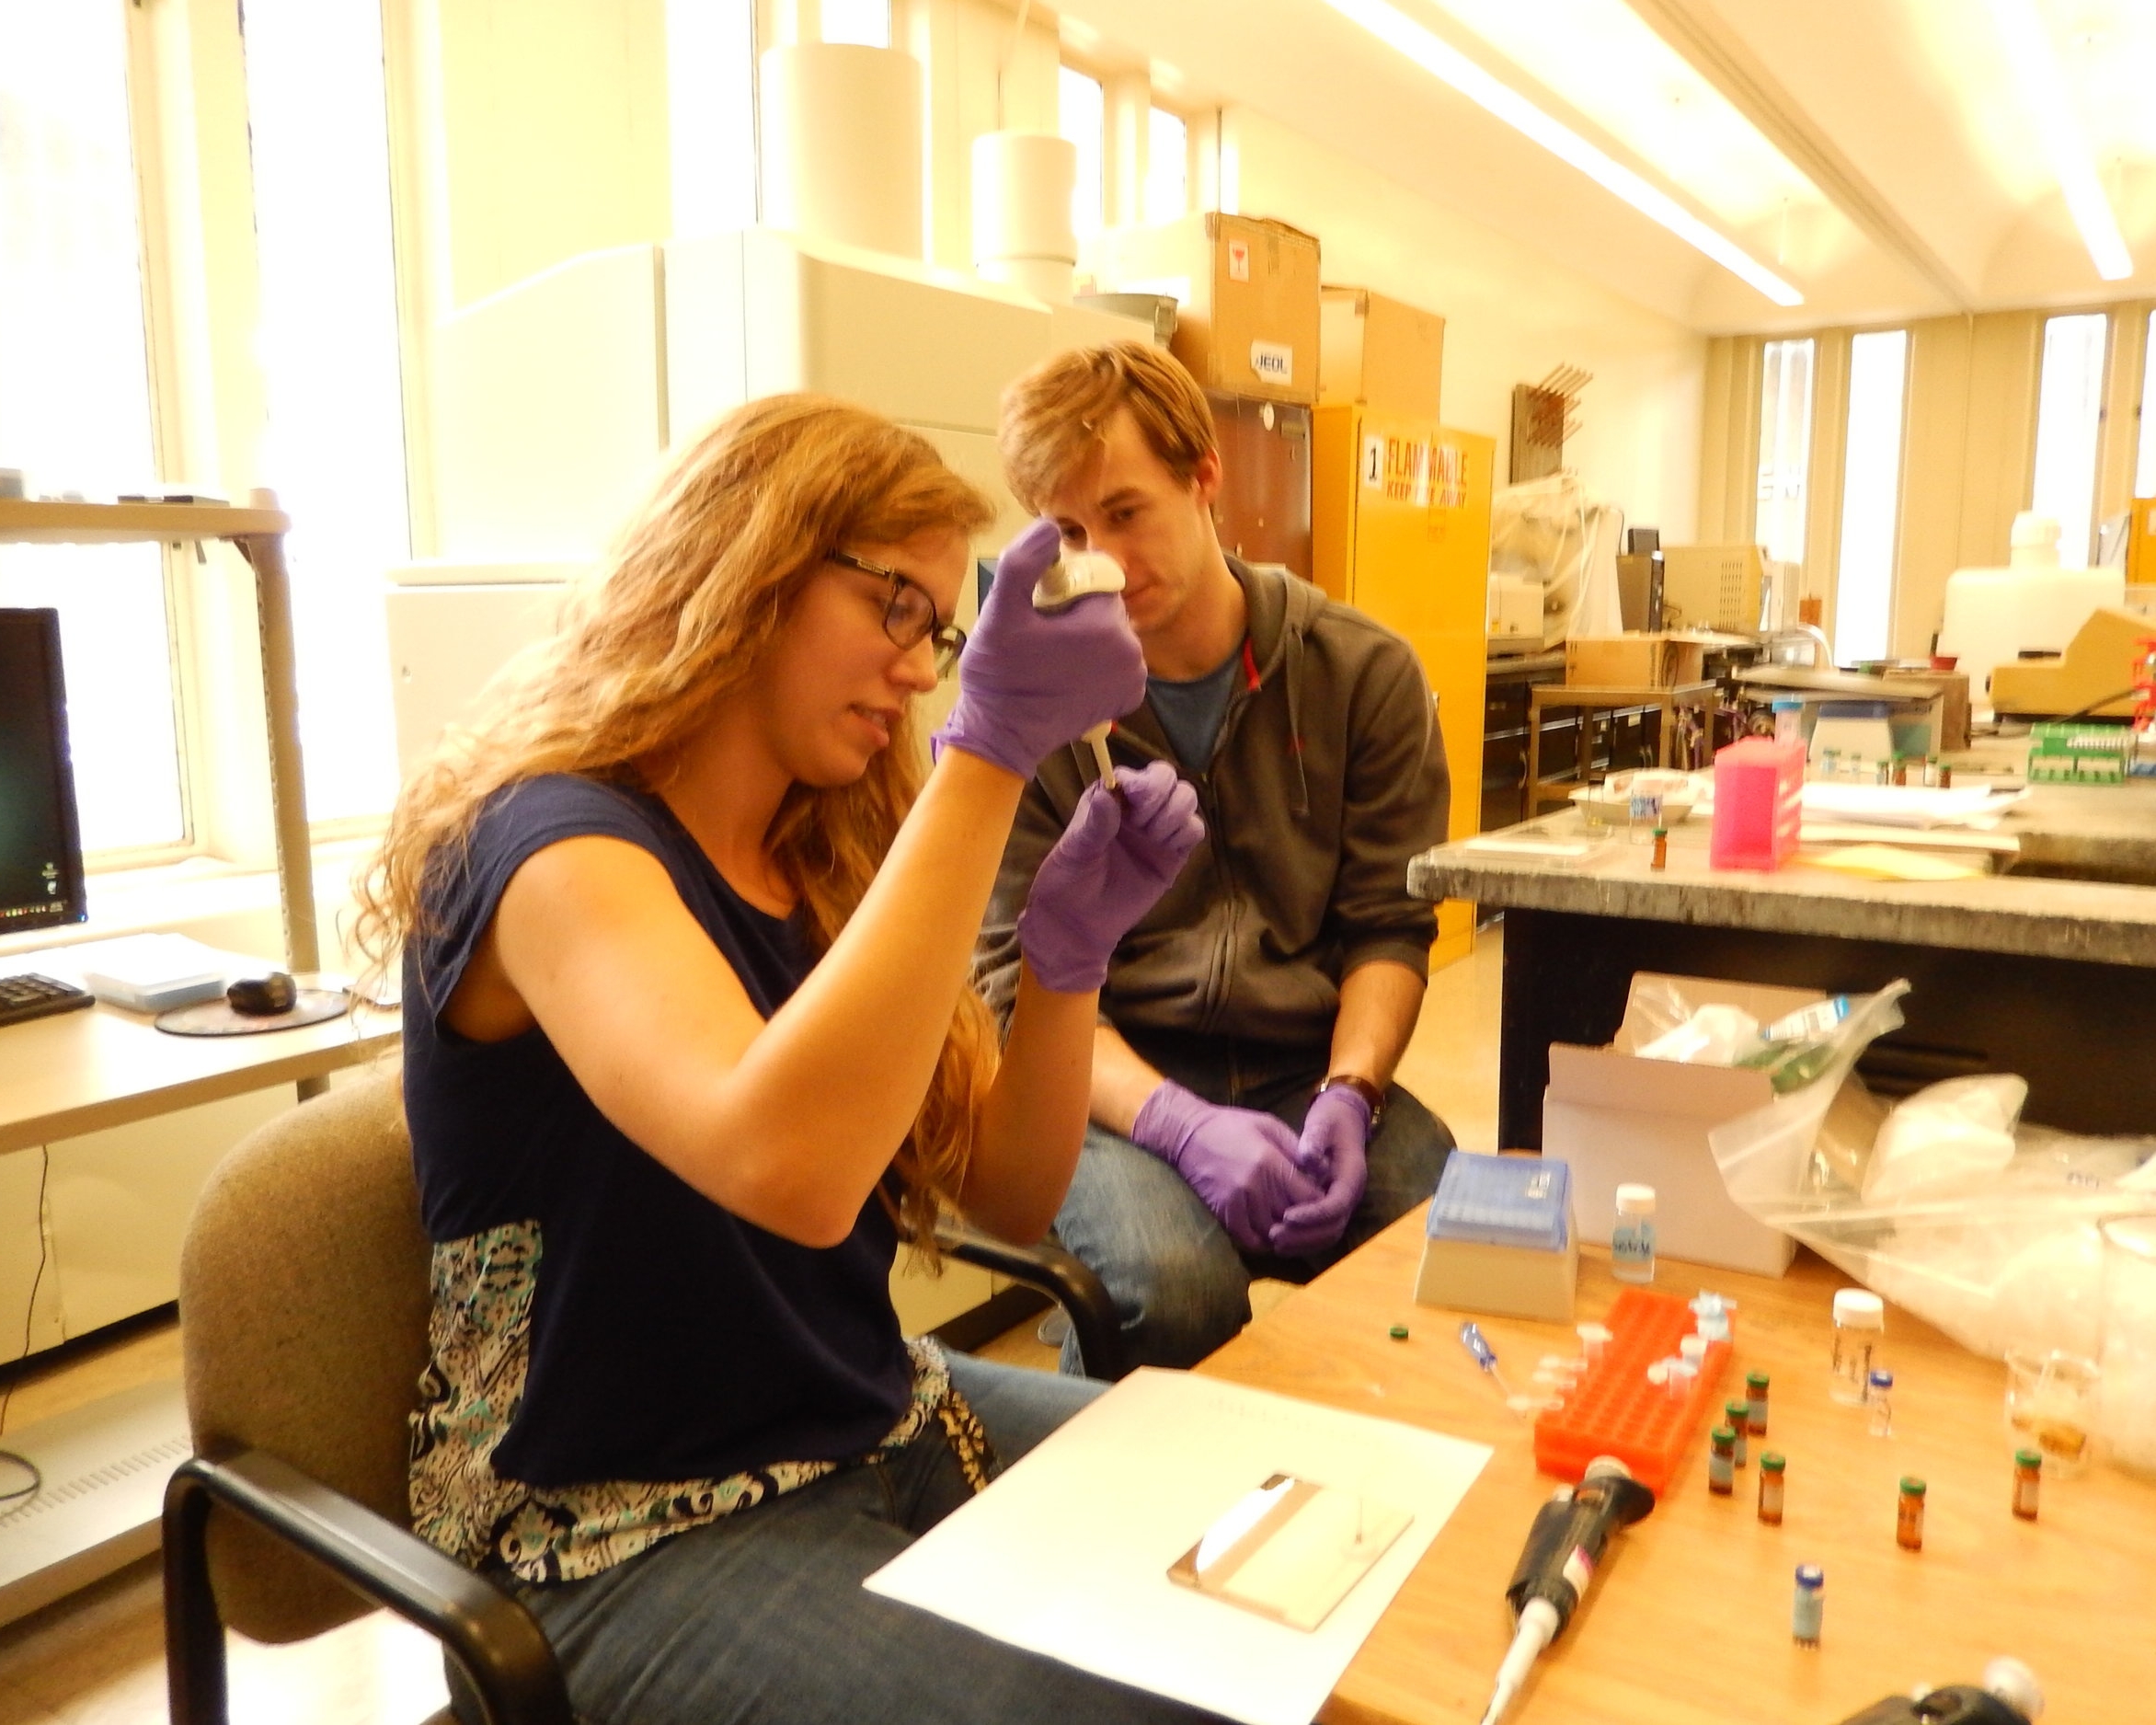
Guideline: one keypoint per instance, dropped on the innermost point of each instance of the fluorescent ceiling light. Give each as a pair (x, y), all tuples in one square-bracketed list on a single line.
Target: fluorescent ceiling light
[(1449, 65), (2029, 46)]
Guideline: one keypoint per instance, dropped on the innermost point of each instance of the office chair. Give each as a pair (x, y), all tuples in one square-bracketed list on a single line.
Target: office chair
[(304, 1292)]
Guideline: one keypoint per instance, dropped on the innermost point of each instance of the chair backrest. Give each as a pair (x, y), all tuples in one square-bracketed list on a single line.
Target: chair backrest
[(303, 1303)]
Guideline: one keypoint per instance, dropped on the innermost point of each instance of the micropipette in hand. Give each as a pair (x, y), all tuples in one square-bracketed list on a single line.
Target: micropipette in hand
[(1068, 580), (1563, 1546)]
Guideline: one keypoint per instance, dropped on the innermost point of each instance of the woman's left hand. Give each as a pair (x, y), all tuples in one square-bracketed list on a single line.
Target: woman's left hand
[(1115, 859)]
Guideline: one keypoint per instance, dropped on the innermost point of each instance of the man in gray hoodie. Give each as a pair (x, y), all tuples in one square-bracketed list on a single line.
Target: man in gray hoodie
[(1244, 1120)]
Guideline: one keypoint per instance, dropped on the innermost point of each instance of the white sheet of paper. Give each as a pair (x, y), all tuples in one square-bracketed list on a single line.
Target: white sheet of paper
[(1068, 1553), (1905, 805)]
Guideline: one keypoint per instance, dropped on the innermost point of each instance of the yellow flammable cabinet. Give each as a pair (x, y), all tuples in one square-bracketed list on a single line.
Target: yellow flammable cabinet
[(1400, 529)]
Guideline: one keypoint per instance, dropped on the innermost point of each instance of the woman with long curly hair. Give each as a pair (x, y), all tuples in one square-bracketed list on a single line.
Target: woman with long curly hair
[(688, 1044)]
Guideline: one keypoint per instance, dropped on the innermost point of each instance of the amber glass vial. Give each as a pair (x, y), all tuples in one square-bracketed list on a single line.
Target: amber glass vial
[(1770, 1482), (1909, 1517)]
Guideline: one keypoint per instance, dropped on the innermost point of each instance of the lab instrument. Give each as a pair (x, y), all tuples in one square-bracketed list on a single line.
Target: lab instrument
[(1069, 579), (2011, 1695), (1563, 1546)]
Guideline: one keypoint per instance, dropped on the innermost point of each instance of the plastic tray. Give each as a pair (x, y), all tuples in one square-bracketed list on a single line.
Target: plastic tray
[(1613, 1411)]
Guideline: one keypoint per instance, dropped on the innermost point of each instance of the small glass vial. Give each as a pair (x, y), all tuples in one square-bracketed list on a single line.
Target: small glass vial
[(1737, 1416), (2029, 1472), (1788, 721), (1860, 1319), (1755, 1389), (1594, 1340), (1722, 1461), (1909, 1514), (1879, 1398), (1810, 1607), (1772, 1465), (1632, 1242)]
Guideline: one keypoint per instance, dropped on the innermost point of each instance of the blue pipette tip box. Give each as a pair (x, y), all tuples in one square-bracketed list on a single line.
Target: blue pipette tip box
[(1503, 1200), (1500, 1238)]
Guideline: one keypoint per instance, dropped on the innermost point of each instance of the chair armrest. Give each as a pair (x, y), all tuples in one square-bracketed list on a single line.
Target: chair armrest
[(495, 1642), (1066, 1280)]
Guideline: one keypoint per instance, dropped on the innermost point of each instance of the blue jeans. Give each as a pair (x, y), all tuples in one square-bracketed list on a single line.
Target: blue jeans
[(1180, 1283), (762, 1614)]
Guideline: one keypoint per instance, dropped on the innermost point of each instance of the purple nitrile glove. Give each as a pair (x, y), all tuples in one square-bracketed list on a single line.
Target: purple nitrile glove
[(1032, 681), (1332, 1148), (1240, 1161), (1115, 859)]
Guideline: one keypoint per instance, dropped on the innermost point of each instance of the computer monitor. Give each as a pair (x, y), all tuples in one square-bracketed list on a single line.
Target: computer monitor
[(40, 844)]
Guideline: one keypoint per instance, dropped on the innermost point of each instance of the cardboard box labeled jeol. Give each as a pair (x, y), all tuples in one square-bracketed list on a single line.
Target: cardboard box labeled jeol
[(1617, 1118), (1247, 291)]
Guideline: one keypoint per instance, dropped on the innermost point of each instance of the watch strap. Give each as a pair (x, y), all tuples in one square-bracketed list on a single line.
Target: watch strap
[(1362, 1087)]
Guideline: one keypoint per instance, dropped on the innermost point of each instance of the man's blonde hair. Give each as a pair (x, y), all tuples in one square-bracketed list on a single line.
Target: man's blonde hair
[(1057, 415)]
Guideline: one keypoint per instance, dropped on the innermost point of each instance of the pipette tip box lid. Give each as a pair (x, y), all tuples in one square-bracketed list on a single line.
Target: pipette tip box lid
[(1500, 1239)]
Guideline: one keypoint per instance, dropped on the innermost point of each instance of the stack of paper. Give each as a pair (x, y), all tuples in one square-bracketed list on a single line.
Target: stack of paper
[(1068, 1554)]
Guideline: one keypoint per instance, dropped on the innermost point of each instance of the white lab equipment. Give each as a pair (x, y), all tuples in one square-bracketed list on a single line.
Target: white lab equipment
[(1993, 616)]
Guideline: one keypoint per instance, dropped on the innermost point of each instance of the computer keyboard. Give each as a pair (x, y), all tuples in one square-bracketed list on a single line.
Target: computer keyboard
[(33, 997)]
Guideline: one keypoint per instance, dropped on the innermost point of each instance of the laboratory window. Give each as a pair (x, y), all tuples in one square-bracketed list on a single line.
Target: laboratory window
[(1871, 496), (1082, 117), (2070, 418), (1785, 447)]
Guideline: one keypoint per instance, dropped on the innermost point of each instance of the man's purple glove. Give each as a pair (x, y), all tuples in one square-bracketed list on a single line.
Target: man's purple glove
[(1240, 1161), (1032, 681), (1117, 855), (1331, 1149)]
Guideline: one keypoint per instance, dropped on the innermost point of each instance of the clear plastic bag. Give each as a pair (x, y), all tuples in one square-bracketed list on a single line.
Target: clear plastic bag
[(2000, 1251)]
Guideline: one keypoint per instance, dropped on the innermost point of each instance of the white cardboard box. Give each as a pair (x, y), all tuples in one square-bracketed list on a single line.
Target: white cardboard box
[(1615, 1118)]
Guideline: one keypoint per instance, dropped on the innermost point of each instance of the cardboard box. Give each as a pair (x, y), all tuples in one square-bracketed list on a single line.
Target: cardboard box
[(1378, 351), (1615, 1117), (1632, 661), (1248, 292)]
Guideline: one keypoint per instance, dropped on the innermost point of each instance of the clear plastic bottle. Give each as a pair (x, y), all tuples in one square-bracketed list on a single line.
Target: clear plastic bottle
[(1860, 1320), (1632, 1242)]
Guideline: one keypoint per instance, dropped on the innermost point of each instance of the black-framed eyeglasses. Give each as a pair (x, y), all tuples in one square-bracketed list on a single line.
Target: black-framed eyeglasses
[(910, 618)]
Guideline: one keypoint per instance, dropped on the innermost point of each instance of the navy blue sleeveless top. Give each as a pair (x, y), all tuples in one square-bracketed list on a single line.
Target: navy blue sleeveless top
[(664, 1338)]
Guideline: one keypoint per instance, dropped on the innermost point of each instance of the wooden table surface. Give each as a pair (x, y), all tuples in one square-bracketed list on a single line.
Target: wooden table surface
[(1689, 1622), (80, 1072)]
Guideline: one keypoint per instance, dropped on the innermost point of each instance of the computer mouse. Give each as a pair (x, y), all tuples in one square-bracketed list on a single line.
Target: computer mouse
[(263, 996)]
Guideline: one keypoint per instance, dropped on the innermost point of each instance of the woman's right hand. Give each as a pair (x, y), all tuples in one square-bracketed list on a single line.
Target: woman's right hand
[(1030, 680)]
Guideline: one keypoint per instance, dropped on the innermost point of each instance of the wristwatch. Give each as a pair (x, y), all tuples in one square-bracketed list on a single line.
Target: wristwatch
[(1362, 1087)]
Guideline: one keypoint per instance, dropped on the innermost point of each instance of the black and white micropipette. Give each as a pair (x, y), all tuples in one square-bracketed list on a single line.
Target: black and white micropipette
[(1068, 580), (1563, 1546)]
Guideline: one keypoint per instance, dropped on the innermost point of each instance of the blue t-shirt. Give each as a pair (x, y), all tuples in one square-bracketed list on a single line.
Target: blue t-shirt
[(596, 1319), (1190, 712)]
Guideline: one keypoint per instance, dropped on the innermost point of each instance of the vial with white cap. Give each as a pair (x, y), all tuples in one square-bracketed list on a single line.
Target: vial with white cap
[(1860, 1320), (1632, 1242)]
